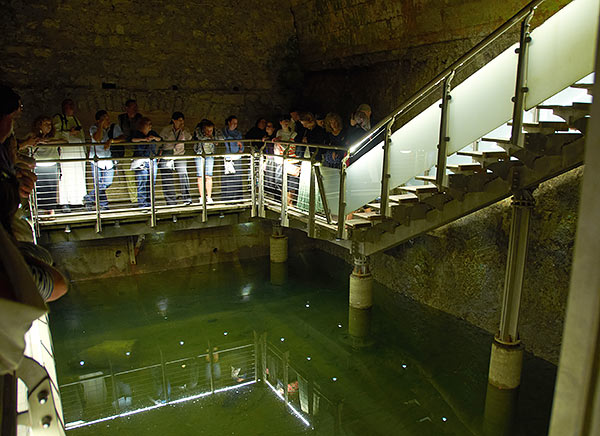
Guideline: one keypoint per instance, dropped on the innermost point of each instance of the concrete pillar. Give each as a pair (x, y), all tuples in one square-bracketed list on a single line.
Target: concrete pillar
[(507, 354), (500, 411), (506, 363), (278, 245), (279, 273), (359, 328), (361, 284)]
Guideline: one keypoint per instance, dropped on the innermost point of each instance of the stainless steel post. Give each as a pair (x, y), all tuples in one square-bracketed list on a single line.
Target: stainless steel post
[(516, 136), (385, 172), (321, 186), (152, 194), (261, 185), (284, 191), (286, 376), (97, 194), (203, 193), (210, 367), (342, 202), (522, 204), (441, 179), (253, 212), (311, 201)]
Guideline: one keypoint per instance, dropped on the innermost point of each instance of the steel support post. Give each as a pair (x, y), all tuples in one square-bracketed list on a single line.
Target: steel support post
[(522, 204), (284, 192), (203, 193), (33, 210), (342, 202), (386, 211), (286, 376), (361, 283), (312, 198), (441, 179), (516, 137), (321, 186), (152, 194), (253, 183), (97, 194), (261, 186)]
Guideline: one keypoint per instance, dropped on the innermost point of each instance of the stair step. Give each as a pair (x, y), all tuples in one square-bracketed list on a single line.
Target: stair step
[(570, 113), (357, 223), (497, 140), (587, 86), (404, 198), (422, 189), (575, 105), (546, 127), (426, 178), (370, 216), (485, 154), (465, 168)]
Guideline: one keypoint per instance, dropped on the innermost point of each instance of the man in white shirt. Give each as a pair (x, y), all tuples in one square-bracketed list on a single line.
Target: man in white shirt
[(106, 167)]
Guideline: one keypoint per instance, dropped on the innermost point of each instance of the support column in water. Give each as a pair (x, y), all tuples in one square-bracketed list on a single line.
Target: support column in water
[(278, 245), (507, 353), (361, 284)]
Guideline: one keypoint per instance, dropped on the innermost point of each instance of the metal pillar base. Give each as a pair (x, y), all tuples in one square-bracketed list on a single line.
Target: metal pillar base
[(361, 284), (506, 363)]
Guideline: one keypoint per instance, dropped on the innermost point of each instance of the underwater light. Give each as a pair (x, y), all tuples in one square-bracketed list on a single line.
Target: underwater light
[(181, 342), (282, 339), (339, 325), (334, 378), (225, 333), (128, 353), (308, 357), (404, 365), (81, 363), (444, 419)]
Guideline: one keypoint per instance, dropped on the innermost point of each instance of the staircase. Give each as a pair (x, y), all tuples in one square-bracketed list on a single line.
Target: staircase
[(471, 136)]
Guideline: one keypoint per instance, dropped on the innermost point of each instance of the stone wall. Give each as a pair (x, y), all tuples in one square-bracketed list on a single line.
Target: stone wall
[(164, 251), (381, 52), (208, 59), (459, 268)]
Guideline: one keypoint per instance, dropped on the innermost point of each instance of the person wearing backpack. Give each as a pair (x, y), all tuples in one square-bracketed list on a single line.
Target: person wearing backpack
[(71, 188)]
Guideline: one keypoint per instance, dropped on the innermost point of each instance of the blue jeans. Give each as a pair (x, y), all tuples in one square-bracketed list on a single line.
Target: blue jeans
[(142, 177), (105, 179)]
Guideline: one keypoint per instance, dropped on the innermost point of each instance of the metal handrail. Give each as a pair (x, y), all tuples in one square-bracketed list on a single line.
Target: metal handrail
[(468, 56)]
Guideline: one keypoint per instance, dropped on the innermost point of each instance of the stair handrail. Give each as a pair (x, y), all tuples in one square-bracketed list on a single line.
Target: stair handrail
[(423, 91)]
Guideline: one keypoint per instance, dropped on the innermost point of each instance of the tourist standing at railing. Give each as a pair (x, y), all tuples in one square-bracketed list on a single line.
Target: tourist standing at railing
[(232, 181), (106, 167), (295, 124), (312, 134), (336, 136), (48, 173), (287, 134), (175, 131), (72, 186), (205, 131), (127, 122), (141, 159)]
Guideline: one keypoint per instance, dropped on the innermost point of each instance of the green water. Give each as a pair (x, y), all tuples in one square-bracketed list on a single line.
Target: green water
[(140, 344)]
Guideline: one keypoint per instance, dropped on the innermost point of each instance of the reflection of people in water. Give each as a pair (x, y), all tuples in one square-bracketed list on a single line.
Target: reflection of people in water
[(216, 366)]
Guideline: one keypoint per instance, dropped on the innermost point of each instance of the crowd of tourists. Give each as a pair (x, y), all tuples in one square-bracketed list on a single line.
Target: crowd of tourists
[(62, 183)]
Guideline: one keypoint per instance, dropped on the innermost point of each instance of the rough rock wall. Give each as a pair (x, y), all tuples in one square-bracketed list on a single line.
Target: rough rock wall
[(459, 268), (208, 59), (381, 52)]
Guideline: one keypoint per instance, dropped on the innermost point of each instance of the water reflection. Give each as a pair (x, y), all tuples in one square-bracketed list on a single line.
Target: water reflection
[(398, 368)]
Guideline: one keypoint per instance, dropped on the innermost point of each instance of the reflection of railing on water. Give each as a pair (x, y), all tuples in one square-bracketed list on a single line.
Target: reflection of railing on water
[(298, 390), (101, 397)]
